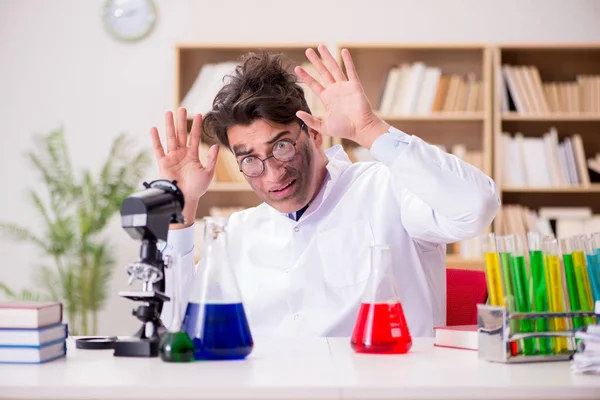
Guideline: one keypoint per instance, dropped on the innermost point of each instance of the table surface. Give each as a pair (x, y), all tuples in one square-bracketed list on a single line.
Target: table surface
[(319, 368)]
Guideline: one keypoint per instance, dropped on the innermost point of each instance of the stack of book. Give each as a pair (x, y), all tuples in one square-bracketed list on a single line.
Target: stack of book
[(32, 332), (420, 89)]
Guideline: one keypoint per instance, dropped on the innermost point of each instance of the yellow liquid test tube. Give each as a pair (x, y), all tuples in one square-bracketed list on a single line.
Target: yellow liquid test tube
[(492, 270), (581, 276), (555, 292)]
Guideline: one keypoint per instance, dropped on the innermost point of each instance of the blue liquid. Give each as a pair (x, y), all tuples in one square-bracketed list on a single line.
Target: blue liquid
[(593, 276), (225, 334)]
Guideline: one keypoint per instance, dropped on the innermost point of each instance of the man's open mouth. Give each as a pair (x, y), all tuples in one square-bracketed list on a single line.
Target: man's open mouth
[(290, 183)]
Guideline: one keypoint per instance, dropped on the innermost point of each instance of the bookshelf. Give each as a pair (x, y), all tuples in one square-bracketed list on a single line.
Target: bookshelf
[(546, 102)]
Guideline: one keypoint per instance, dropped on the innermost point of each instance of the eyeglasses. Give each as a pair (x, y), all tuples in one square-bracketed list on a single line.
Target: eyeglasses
[(283, 150)]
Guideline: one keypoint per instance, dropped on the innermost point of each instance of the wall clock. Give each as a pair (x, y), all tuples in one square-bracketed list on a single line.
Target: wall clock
[(129, 20)]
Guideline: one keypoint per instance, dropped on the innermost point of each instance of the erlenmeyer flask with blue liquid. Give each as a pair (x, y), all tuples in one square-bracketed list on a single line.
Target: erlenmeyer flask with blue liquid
[(215, 318)]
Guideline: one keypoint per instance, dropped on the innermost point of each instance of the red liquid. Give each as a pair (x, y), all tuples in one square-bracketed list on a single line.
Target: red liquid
[(381, 328)]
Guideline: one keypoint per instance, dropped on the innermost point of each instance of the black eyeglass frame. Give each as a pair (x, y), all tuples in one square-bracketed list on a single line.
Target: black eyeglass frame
[(262, 161)]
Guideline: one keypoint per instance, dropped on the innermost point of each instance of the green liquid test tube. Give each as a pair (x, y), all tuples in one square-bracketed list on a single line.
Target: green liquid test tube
[(581, 276), (519, 277), (492, 270), (507, 282), (566, 245), (539, 297), (555, 292)]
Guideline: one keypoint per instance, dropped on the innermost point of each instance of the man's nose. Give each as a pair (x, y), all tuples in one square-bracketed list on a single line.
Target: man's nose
[(274, 170)]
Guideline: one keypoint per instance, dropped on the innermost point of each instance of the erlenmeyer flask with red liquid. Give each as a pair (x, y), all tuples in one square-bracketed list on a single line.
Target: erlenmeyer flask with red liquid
[(381, 325)]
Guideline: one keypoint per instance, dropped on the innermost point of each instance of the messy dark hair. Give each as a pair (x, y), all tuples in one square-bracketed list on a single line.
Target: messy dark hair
[(260, 87)]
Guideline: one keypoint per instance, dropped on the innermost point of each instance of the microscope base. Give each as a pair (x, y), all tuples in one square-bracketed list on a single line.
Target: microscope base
[(136, 347)]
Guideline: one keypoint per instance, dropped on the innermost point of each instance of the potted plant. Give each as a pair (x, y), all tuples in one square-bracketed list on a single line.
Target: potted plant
[(78, 259)]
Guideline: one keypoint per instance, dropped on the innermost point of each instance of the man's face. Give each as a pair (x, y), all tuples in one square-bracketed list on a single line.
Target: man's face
[(286, 186)]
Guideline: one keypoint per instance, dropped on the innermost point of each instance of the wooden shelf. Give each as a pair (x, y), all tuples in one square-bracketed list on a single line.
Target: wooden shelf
[(553, 117), (229, 187), (442, 117), (593, 188)]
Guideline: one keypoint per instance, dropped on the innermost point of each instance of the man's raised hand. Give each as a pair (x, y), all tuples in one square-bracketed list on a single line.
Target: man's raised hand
[(181, 162)]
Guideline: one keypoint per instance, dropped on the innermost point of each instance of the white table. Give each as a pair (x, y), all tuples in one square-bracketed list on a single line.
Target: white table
[(305, 369)]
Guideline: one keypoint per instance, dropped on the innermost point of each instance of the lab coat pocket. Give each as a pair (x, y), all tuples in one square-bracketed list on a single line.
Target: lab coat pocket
[(345, 253)]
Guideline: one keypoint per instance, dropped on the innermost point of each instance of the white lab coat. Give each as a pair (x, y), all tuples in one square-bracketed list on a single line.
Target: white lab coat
[(306, 278)]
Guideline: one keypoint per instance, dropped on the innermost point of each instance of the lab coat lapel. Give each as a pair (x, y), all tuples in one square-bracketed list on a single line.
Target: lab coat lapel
[(338, 163)]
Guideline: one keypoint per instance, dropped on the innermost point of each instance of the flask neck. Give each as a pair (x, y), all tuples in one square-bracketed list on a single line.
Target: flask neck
[(215, 232)]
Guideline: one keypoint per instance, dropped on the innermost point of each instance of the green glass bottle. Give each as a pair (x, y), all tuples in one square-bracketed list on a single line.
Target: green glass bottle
[(176, 345)]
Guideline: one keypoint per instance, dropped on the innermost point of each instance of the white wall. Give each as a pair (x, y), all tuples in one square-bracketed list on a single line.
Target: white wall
[(58, 67)]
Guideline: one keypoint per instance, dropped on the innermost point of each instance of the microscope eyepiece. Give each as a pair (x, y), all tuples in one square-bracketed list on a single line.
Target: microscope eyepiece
[(146, 215)]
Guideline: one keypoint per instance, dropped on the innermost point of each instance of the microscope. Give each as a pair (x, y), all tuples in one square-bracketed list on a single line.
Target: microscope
[(146, 216)]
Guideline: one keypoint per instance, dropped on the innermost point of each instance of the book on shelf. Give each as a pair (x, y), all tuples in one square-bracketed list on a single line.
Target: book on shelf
[(419, 89), (559, 222), (213, 76), (524, 92), (545, 161), (210, 79)]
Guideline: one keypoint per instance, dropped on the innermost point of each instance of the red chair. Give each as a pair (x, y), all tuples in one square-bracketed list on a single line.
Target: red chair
[(464, 290)]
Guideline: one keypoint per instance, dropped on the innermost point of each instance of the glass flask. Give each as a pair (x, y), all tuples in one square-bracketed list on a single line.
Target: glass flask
[(215, 318), (381, 325), (176, 345)]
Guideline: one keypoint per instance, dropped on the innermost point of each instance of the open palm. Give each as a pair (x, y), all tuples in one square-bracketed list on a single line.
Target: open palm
[(348, 111), (182, 162)]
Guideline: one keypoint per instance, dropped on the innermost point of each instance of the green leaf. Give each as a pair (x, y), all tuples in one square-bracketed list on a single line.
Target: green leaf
[(102, 263), (7, 291), (23, 295), (20, 234), (50, 280), (29, 295)]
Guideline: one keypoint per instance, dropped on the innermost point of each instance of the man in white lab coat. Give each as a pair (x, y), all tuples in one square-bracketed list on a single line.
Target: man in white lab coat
[(302, 258)]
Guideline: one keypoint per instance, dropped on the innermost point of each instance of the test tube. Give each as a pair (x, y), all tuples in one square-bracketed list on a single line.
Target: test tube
[(597, 247), (504, 252), (566, 245), (519, 276), (492, 270), (539, 297), (590, 256), (555, 292), (597, 243), (583, 284)]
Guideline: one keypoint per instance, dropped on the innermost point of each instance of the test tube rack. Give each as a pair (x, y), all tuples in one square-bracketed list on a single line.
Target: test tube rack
[(495, 335)]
